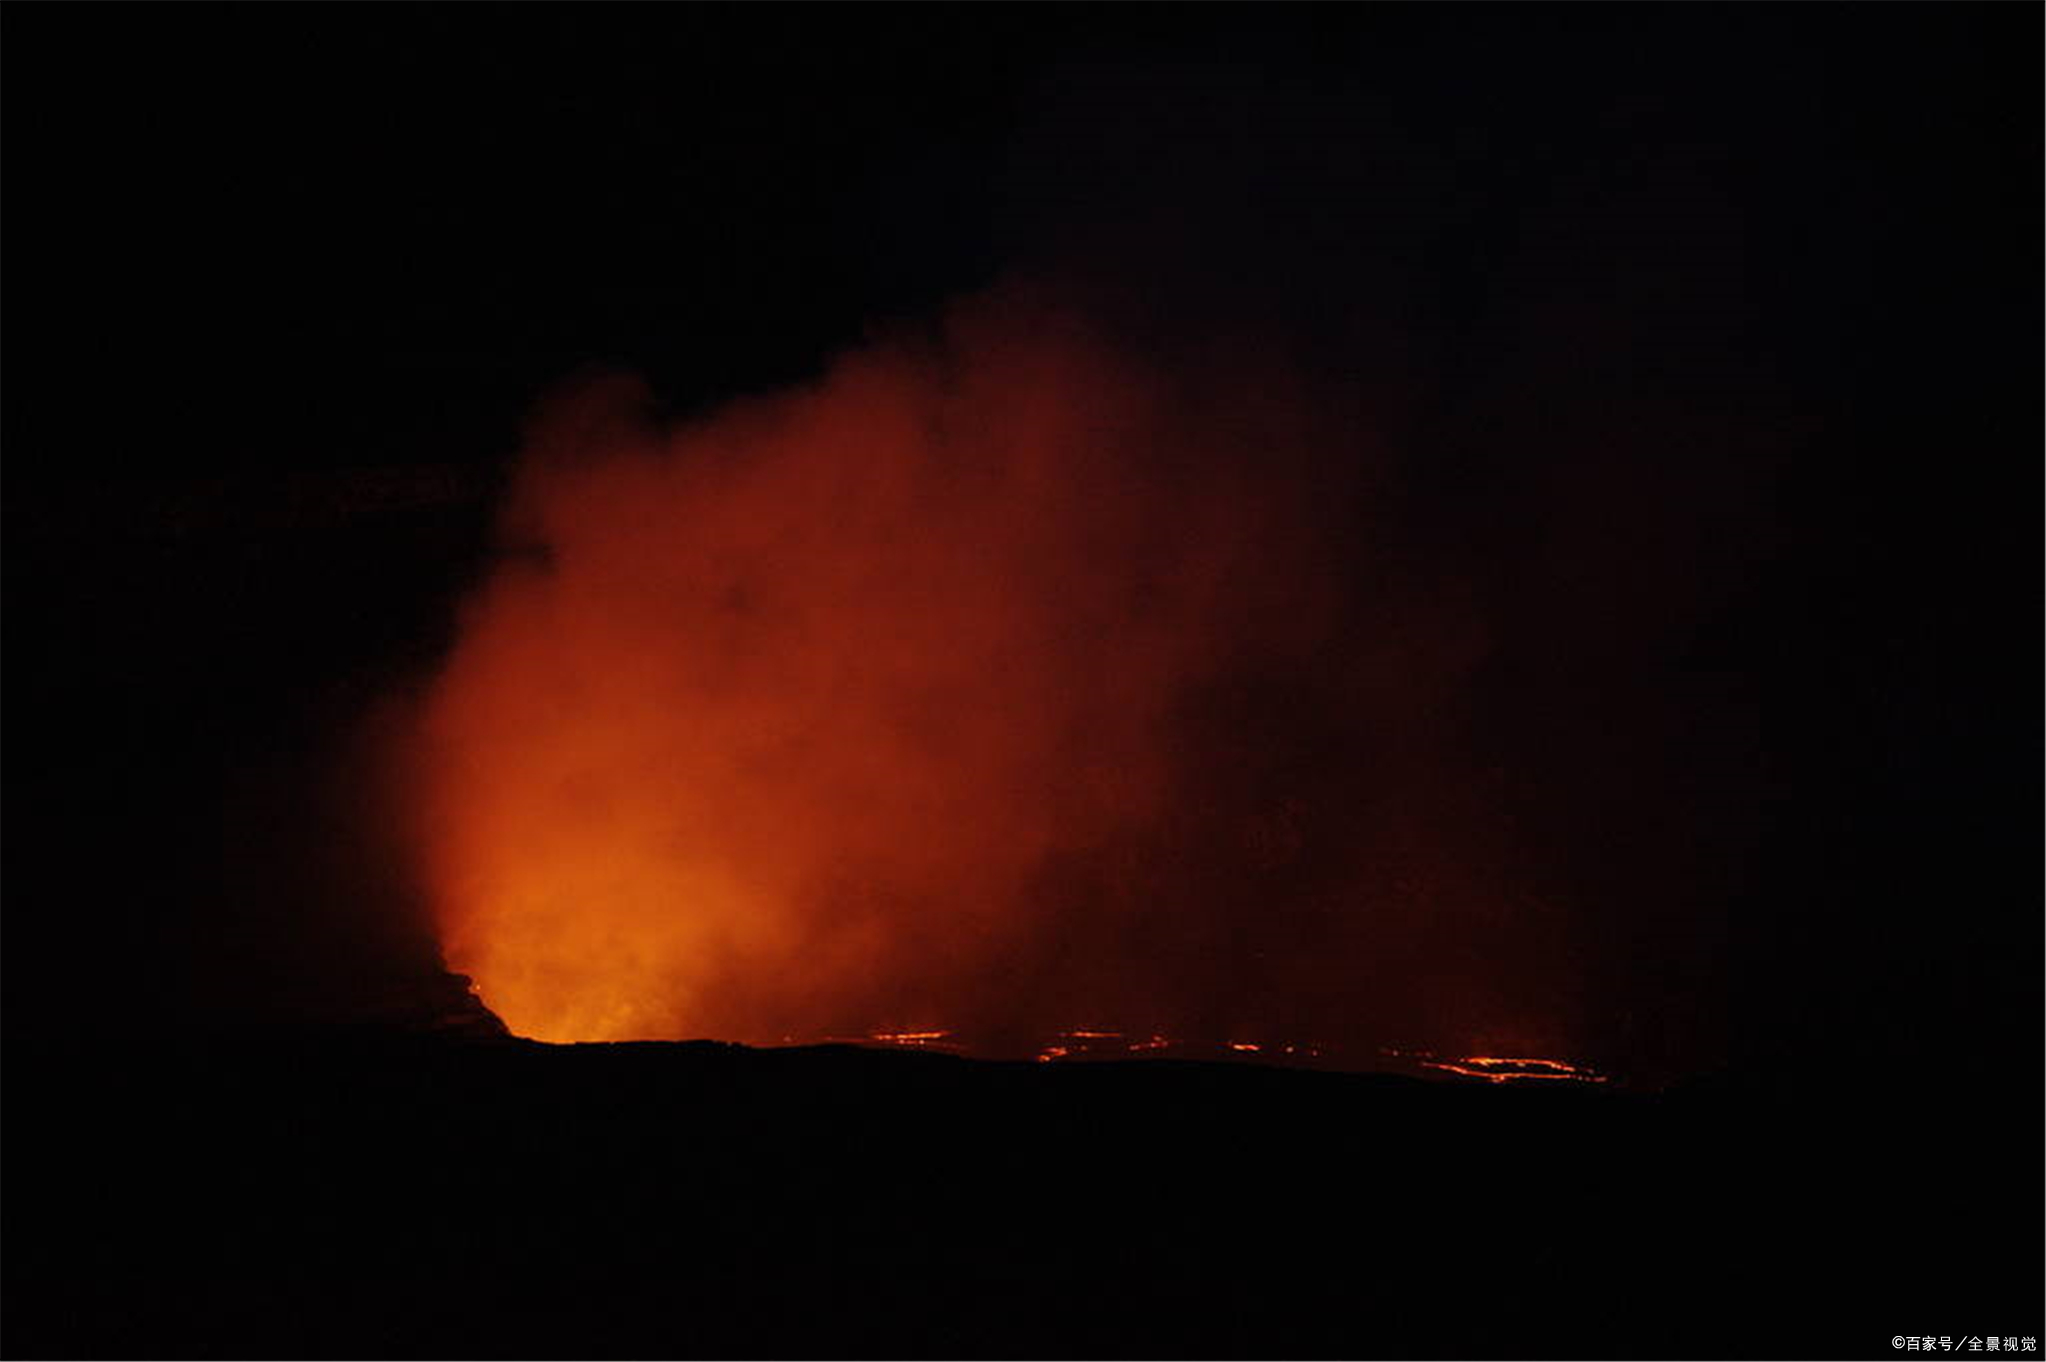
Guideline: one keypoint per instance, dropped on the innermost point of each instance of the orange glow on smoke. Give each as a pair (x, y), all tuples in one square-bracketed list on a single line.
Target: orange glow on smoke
[(765, 722)]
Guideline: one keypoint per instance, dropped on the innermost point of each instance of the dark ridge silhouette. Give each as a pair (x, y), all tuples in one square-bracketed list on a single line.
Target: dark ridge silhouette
[(369, 1193)]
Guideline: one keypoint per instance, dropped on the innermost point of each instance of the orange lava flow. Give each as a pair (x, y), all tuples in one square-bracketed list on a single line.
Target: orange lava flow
[(1494, 1069)]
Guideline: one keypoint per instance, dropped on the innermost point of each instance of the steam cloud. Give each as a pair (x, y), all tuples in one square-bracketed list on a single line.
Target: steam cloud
[(1001, 680)]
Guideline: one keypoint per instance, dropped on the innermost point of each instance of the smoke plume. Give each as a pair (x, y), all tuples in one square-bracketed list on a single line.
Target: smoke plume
[(1007, 677)]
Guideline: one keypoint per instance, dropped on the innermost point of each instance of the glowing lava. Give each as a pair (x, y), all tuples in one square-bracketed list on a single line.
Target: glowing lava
[(913, 1040), (1494, 1069), (1093, 1044)]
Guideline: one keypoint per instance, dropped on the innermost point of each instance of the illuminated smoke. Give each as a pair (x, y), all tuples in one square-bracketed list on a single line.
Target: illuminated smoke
[(999, 677)]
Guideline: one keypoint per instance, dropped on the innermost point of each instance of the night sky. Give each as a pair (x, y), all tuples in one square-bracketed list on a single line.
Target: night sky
[(1692, 354)]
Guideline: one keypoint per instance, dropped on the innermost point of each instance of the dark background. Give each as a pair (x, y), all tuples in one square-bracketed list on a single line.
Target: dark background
[(1746, 297)]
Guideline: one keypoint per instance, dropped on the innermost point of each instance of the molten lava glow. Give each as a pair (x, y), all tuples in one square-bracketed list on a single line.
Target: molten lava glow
[(769, 723), (913, 1040), (1096, 1045), (1497, 1070)]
